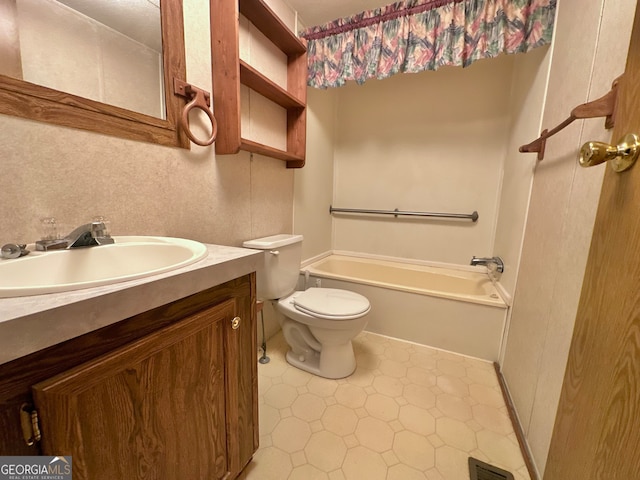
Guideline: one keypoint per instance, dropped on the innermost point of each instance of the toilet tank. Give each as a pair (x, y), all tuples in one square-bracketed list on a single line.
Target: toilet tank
[(279, 275)]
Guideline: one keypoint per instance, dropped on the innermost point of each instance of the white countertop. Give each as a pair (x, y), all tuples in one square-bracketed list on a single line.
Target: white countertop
[(29, 324)]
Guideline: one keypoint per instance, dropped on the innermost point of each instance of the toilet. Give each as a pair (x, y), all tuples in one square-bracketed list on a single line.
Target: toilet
[(318, 324)]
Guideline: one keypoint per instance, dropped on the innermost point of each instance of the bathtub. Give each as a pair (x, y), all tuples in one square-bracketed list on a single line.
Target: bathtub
[(452, 309)]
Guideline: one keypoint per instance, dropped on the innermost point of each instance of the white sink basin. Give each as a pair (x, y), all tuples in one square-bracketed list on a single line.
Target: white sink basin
[(127, 259)]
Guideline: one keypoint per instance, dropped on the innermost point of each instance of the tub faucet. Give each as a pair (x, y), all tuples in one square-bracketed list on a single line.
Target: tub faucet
[(495, 263), (88, 235)]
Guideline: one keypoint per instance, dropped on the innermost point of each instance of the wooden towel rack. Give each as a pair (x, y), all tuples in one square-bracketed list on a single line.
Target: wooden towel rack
[(602, 107)]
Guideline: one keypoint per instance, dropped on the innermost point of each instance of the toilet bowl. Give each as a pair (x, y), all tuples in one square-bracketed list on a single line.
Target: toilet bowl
[(318, 324)]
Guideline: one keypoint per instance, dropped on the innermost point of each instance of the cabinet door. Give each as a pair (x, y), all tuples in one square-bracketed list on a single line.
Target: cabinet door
[(153, 409), (242, 409)]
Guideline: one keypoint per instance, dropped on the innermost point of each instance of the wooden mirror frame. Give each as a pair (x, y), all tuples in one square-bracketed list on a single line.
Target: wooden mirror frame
[(27, 100)]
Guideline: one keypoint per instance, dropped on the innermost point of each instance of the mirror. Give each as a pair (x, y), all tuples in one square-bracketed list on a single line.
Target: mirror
[(88, 61), (106, 51)]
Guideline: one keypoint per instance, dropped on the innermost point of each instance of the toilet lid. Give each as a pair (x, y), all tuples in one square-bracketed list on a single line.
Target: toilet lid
[(331, 303)]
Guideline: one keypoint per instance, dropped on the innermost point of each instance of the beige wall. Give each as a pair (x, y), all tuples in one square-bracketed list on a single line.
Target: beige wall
[(510, 173), (561, 214), (528, 88), (433, 141), (143, 188), (313, 186)]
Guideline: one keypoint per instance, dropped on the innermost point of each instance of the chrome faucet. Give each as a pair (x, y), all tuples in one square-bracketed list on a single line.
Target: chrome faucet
[(88, 235), (495, 263)]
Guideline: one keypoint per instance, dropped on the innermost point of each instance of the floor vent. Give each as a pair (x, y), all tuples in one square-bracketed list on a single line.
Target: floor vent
[(483, 471)]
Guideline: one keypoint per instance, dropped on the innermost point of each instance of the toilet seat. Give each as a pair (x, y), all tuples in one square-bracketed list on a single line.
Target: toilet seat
[(331, 303)]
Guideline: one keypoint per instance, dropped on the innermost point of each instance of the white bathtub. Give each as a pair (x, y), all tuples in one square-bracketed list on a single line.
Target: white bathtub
[(456, 310)]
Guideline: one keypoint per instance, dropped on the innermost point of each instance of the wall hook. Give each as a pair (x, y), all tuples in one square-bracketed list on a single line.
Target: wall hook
[(604, 106), (198, 99)]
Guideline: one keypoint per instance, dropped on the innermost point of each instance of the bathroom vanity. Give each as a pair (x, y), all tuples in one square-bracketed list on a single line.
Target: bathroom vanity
[(152, 378)]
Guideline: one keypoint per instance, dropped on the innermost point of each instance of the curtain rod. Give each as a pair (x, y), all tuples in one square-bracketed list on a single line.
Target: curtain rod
[(384, 17)]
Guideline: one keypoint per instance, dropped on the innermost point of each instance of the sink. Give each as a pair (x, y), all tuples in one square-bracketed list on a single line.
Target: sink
[(127, 259)]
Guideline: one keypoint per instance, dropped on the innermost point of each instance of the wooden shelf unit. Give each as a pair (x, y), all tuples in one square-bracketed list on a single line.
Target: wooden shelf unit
[(229, 72)]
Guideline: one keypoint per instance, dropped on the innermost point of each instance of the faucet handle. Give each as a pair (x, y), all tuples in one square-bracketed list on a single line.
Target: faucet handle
[(99, 229), (49, 229), (100, 225), (12, 250)]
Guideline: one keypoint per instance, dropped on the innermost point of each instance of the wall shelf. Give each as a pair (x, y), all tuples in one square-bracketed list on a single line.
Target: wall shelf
[(259, 13), (261, 84), (229, 72), (266, 150)]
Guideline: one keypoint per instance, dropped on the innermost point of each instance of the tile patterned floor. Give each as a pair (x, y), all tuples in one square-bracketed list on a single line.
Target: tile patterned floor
[(408, 412)]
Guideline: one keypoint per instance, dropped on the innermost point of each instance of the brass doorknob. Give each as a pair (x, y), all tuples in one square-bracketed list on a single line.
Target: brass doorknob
[(622, 156), (235, 323)]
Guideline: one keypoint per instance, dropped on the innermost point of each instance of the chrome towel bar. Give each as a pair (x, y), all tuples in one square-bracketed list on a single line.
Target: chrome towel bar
[(467, 216)]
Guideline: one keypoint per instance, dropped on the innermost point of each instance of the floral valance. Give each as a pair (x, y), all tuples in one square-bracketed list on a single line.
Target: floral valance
[(416, 35)]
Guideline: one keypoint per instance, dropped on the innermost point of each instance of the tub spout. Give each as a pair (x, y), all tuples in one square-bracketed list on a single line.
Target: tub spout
[(493, 263)]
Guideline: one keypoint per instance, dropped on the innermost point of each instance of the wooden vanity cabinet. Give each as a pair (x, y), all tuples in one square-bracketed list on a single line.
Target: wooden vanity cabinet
[(170, 393)]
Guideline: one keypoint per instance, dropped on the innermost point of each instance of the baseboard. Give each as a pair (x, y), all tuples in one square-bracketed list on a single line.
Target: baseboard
[(517, 427)]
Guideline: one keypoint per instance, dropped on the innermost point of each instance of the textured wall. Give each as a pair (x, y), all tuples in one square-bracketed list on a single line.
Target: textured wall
[(143, 188)]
